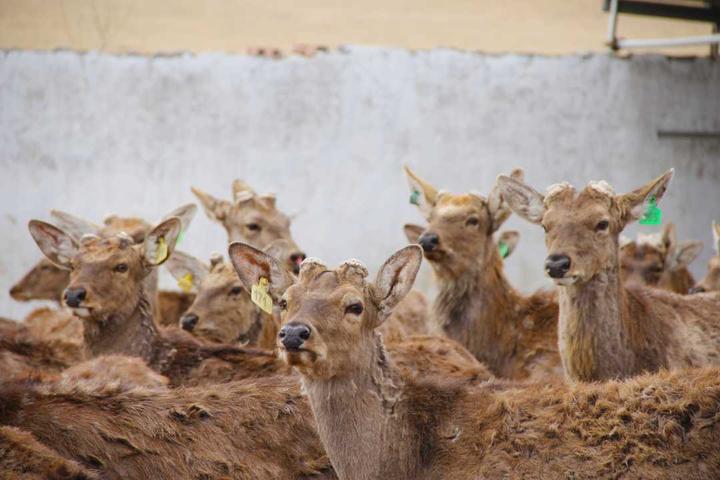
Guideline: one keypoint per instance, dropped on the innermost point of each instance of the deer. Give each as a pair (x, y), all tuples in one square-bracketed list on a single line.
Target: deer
[(711, 281), (608, 329), (252, 218), (514, 335), (239, 430), (379, 422), (659, 260), (108, 291)]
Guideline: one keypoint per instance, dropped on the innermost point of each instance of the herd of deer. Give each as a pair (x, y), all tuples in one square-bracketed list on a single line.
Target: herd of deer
[(270, 365)]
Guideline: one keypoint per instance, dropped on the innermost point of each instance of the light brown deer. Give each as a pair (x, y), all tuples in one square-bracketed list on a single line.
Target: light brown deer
[(514, 335), (659, 260), (377, 422), (240, 430), (222, 310), (711, 281), (108, 290), (251, 218), (607, 329)]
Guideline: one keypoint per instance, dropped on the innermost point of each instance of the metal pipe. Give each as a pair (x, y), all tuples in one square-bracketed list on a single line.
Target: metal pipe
[(668, 42), (668, 10), (612, 24)]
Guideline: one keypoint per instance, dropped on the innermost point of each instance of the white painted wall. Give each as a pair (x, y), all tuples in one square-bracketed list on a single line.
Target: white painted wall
[(98, 134)]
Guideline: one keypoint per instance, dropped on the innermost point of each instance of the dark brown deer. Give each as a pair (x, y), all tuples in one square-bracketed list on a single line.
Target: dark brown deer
[(240, 430), (659, 260), (514, 335), (607, 329), (378, 422)]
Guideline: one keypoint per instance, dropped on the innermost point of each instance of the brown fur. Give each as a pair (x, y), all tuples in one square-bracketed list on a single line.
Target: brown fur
[(377, 422), (607, 329), (22, 457), (257, 430), (514, 335), (116, 370), (658, 260), (411, 317)]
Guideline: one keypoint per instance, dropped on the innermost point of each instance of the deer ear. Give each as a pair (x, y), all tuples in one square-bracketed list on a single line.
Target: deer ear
[(241, 190), (215, 208), (186, 268), (633, 204), (75, 226), (160, 242), (413, 232), (185, 213), (395, 279), (510, 239), (422, 193), (685, 253), (522, 199), (58, 246), (498, 208), (252, 264)]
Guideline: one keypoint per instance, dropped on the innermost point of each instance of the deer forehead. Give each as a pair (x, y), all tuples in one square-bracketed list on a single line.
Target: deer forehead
[(220, 276)]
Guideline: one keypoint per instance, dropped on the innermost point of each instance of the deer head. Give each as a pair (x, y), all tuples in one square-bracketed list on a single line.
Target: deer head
[(222, 310), (582, 229), (329, 316), (651, 257), (251, 218), (106, 274), (711, 281), (460, 227)]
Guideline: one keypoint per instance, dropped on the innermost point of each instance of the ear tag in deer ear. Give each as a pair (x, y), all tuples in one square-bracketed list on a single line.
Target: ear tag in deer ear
[(185, 282), (161, 253), (180, 237), (653, 214), (415, 197), (504, 249), (260, 296)]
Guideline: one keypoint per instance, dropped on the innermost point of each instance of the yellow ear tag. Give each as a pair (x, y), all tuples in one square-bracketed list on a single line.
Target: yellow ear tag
[(185, 282), (260, 297), (162, 251)]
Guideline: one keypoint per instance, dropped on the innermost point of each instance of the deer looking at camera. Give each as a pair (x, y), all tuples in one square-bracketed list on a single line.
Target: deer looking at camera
[(659, 260), (108, 291), (711, 281), (514, 335), (607, 329), (378, 422)]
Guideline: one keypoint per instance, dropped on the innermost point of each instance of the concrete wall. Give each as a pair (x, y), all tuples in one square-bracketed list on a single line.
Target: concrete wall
[(98, 134)]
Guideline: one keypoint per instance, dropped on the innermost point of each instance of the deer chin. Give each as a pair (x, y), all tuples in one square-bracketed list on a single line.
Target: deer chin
[(299, 357), (82, 312), (566, 281)]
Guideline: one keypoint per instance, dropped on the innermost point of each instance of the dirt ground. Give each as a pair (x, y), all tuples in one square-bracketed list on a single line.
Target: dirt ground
[(165, 26)]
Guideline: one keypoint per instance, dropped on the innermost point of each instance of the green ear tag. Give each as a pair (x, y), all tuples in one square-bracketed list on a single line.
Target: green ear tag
[(415, 197), (653, 214), (180, 237), (504, 249)]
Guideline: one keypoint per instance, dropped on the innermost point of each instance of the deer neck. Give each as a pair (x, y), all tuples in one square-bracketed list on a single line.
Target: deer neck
[(592, 329), (478, 308), (358, 418), (134, 335)]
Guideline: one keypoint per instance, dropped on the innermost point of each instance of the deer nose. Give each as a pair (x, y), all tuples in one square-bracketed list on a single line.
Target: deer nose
[(188, 321), (428, 241), (293, 335), (74, 296), (697, 289), (17, 293), (557, 265), (296, 259)]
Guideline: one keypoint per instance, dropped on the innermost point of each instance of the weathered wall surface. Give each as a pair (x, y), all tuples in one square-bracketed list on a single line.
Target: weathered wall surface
[(98, 134)]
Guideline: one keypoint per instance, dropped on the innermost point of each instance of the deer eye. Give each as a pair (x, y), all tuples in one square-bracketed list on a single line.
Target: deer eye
[(253, 227), (355, 309), (472, 221), (121, 268), (282, 304), (602, 225), (236, 290)]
